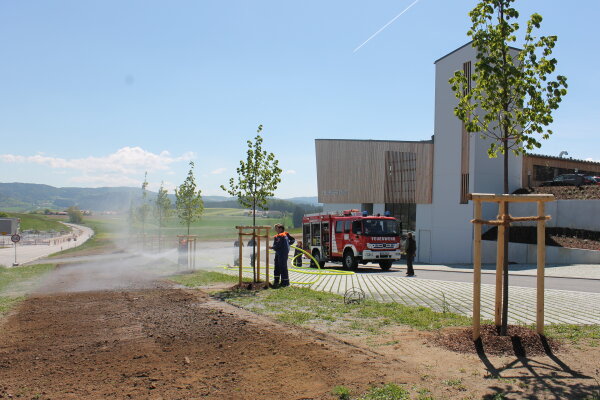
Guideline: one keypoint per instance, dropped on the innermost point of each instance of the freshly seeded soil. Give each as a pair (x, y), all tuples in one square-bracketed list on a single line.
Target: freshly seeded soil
[(170, 343), (88, 335)]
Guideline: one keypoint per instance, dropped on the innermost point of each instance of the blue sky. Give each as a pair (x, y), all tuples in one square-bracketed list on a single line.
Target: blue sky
[(94, 93)]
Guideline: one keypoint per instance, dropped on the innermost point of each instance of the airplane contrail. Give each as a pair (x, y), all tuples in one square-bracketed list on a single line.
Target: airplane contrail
[(386, 25)]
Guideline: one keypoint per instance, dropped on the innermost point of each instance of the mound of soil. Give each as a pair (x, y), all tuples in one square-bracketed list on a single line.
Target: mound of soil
[(587, 192), (519, 341)]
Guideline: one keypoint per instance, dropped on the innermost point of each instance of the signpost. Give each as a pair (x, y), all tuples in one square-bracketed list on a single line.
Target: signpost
[(15, 239)]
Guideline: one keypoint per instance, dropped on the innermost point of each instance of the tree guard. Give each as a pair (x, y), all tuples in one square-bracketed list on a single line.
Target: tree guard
[(256, 233), (186, 250), (503, 220)]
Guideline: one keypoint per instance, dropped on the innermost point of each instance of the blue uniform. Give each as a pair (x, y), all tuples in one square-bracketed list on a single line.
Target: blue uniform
[(281, 245)]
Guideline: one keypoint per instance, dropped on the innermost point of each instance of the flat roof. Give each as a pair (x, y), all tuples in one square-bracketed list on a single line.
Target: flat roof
[(465, 45), (376, 140), (562, 158)]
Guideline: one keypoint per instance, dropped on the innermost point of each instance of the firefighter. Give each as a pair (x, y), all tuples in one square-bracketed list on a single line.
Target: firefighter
[(281, 245), (298, 254), (411, 250)]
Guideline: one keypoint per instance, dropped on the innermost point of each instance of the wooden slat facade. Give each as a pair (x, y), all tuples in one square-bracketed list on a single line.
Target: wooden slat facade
[(401, 177), (374, 171)]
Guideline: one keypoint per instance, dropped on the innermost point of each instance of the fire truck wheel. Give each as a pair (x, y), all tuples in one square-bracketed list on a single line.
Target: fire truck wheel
[(317, 256), (350, 262), (385, 265)]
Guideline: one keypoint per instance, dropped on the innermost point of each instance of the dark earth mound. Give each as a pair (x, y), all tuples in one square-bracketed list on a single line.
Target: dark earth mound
[(520, 341)]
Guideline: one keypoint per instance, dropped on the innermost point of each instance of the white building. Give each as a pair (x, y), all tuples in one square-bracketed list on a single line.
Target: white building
[(425, 184)]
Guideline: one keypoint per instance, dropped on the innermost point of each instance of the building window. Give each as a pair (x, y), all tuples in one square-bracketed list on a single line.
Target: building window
[(400, 180), (347, 227), (467, 72), (405, 213), (465, 144)]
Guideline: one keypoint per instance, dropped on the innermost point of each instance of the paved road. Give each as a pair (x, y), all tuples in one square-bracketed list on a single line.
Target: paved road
[(29, 253)]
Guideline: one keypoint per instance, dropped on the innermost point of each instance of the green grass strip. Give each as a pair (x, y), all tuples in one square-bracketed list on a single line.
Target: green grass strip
[(205, 278), (16, 282), (15, 275), (300, 306)]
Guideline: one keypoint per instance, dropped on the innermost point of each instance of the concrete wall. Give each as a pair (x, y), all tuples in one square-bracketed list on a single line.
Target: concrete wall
[(576, 214), (527, 254)]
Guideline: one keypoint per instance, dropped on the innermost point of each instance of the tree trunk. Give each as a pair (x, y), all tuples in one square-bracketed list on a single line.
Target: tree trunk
[(504, 327), (505, 132), (253, 261)]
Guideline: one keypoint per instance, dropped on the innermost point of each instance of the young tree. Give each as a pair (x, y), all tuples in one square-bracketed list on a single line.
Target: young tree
[(257, 180), (144, 209), (188, 203), (514, 92), (162, 210)]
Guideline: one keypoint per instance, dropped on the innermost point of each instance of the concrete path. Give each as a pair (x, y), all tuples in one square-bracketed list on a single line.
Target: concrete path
[(561, 306), (29, 253)]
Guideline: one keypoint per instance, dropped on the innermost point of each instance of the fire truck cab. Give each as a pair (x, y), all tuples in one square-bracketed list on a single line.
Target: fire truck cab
[(352, 237)]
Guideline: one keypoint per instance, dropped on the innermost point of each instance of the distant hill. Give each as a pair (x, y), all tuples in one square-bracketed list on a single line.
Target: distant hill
[(215, 198), (30, 197), (314, 201)]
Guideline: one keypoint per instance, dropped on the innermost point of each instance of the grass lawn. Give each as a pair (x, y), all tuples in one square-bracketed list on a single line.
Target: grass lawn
[(215, 224), (205, 278), (302, 306), (17, 281)]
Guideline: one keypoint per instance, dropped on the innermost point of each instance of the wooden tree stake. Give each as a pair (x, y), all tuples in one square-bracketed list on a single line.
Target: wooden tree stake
[(477, 273)]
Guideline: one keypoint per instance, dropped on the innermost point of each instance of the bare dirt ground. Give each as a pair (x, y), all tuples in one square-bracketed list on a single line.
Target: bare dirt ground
[(161, 342), (151, 340)]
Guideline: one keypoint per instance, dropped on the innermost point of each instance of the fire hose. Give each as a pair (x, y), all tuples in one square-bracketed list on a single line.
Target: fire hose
[(319, 271)]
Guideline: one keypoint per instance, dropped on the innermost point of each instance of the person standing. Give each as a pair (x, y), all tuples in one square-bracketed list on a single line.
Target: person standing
[(411, 250), (298, 254), (281, 245)]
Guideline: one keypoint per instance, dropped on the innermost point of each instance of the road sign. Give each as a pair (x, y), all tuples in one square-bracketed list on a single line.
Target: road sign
[(9, 226), (15, 238)]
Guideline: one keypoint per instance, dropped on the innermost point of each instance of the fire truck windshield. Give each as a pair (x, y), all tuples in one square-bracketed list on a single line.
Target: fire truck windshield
[(380, 227)]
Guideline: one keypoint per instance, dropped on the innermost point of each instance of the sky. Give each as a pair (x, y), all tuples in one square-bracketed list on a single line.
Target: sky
[(96, 93)]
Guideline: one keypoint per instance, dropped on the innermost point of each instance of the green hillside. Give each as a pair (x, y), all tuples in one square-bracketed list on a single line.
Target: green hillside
[(24, 197), (39, 223), (31, 197)]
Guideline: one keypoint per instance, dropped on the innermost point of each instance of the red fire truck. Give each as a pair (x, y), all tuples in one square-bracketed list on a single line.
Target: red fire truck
[(352, 237)]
